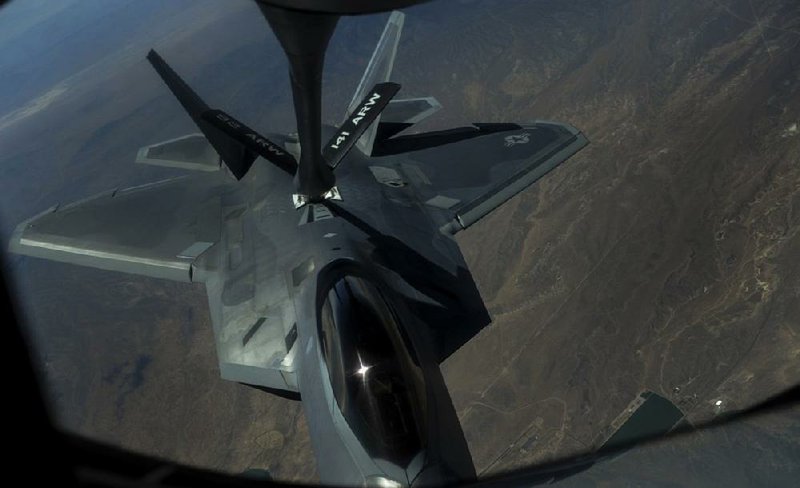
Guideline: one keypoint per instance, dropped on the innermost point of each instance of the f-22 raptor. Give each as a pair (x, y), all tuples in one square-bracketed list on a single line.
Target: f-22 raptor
[(332, 273)]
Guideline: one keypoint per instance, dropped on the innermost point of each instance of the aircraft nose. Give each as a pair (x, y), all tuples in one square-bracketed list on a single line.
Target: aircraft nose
[(382, 482), (437, 474)]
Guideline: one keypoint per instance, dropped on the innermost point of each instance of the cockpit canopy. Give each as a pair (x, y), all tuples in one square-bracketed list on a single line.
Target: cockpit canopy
[(376, 380)]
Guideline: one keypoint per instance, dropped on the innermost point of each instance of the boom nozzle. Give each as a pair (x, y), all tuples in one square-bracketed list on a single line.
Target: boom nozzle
[(304, 37), (304, 28)]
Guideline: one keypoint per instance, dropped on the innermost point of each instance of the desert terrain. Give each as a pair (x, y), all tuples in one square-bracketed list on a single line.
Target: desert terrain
[(665, 256)]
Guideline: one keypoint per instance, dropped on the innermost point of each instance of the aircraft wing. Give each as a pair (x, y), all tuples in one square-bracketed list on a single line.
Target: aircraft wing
[(159, 229), (463, 174)]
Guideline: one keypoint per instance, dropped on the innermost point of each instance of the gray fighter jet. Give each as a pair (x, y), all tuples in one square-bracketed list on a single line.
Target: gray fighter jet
[(332, 273)]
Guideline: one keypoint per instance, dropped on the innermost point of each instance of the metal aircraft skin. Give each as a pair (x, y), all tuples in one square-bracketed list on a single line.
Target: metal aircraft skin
[(349, 303)]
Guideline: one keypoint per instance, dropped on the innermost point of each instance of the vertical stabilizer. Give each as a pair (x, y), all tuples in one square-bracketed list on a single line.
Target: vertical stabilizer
[(378, 70), (235, 156)]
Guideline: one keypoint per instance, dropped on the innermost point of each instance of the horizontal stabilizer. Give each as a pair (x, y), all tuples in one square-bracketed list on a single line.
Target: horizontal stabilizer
[(410, 110), (399, 115), (192, 152), (235, 155), (358, 122)]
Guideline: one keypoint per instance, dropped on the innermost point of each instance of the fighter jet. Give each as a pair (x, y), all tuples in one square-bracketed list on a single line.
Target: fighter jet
[(331, 271)]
